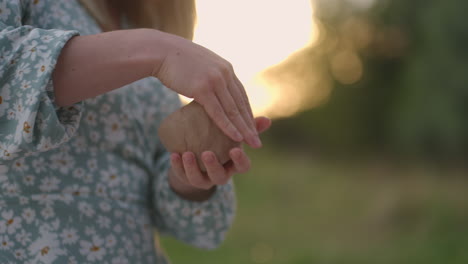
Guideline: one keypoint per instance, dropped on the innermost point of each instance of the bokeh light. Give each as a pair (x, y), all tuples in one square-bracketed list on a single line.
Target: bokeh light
[(253, 36), (346, 67)]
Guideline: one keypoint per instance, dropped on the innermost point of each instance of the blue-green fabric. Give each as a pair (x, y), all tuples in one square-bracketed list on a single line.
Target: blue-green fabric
[(86, 183)]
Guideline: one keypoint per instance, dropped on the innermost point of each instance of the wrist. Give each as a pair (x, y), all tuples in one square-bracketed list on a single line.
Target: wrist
[(156, 45), (186, 191), (151, 49)]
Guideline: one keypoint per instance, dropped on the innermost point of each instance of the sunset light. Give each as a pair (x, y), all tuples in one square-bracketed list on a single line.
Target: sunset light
[(253, 36)]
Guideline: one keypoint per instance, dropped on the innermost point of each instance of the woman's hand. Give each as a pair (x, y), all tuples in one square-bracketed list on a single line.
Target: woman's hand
[(124, 56), (196, 72), (187, 180)]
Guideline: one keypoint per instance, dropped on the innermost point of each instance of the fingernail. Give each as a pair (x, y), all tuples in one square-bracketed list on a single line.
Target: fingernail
[(237, 153), (188, 158), (209, 158), (256, 142)]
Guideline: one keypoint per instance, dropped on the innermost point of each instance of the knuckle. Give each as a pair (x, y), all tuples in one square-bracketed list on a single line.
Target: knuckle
[(232, 113), (218, 116), (201, 89), (229, 66), (224, 122), (226, 69), (213, 79)]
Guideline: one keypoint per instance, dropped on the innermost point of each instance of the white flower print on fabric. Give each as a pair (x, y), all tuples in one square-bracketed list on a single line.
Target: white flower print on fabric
[(111, 241), (103, 222), (76, 181), (4, 11), (114, 131), (78, 173), (49, 184), (31, 97), (47, 212), (46, 249), (4, 98), (23, 200), (20, 166), (120, 260), (110, 177), (80, 145), (25, 85), (69, 236), (93, 250), (104, 206), (28, 215), (20, 254), (29, 179), (23, 237), (77, 190), (91, 118), (43, 67), (33, 50), (9, 223), (5, 243), (39, 165), (11, 114), (11, 189), (62, 162), (23, 69), (86, 209)]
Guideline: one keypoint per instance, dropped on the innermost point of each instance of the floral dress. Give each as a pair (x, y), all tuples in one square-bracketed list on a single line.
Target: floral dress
[(86, 183)]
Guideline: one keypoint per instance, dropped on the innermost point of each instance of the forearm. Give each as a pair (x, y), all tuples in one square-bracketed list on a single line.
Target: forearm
[(92, 65)]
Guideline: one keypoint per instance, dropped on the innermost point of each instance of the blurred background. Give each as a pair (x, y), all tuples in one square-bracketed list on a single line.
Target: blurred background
[(367, 158)]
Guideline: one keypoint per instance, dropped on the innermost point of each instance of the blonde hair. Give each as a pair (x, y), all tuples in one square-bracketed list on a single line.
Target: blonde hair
[(173, 16)]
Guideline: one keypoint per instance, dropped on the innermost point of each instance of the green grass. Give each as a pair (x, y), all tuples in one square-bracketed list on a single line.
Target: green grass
[(297, 209)]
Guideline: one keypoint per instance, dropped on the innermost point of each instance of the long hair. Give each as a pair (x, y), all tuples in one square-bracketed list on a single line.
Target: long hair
[(173, 16)]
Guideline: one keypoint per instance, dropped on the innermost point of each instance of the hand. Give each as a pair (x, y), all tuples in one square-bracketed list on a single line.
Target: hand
[(196, 72), (187, 180)]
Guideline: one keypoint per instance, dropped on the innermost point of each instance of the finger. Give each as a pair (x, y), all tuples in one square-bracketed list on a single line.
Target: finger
[(178, 167), (215, 170), (194, 176), (216, 112), (247, 106), (240, 160), (234, 114), (244, 95), (238, 94), (262, 124)]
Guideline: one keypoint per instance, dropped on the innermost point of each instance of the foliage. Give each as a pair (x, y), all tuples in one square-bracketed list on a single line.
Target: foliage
[(411, 97)]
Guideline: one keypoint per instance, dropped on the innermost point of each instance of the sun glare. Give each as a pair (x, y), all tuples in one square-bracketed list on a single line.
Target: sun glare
[(254, 35)]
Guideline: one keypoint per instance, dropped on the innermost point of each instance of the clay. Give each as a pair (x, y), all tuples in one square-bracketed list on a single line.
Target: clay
[(191, 129)]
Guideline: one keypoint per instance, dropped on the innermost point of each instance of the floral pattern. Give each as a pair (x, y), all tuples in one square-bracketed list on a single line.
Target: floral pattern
[(85, 183)]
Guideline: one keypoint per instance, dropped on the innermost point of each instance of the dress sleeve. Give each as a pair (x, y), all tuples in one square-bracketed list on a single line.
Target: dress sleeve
[(30, 121), (200, 224)]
